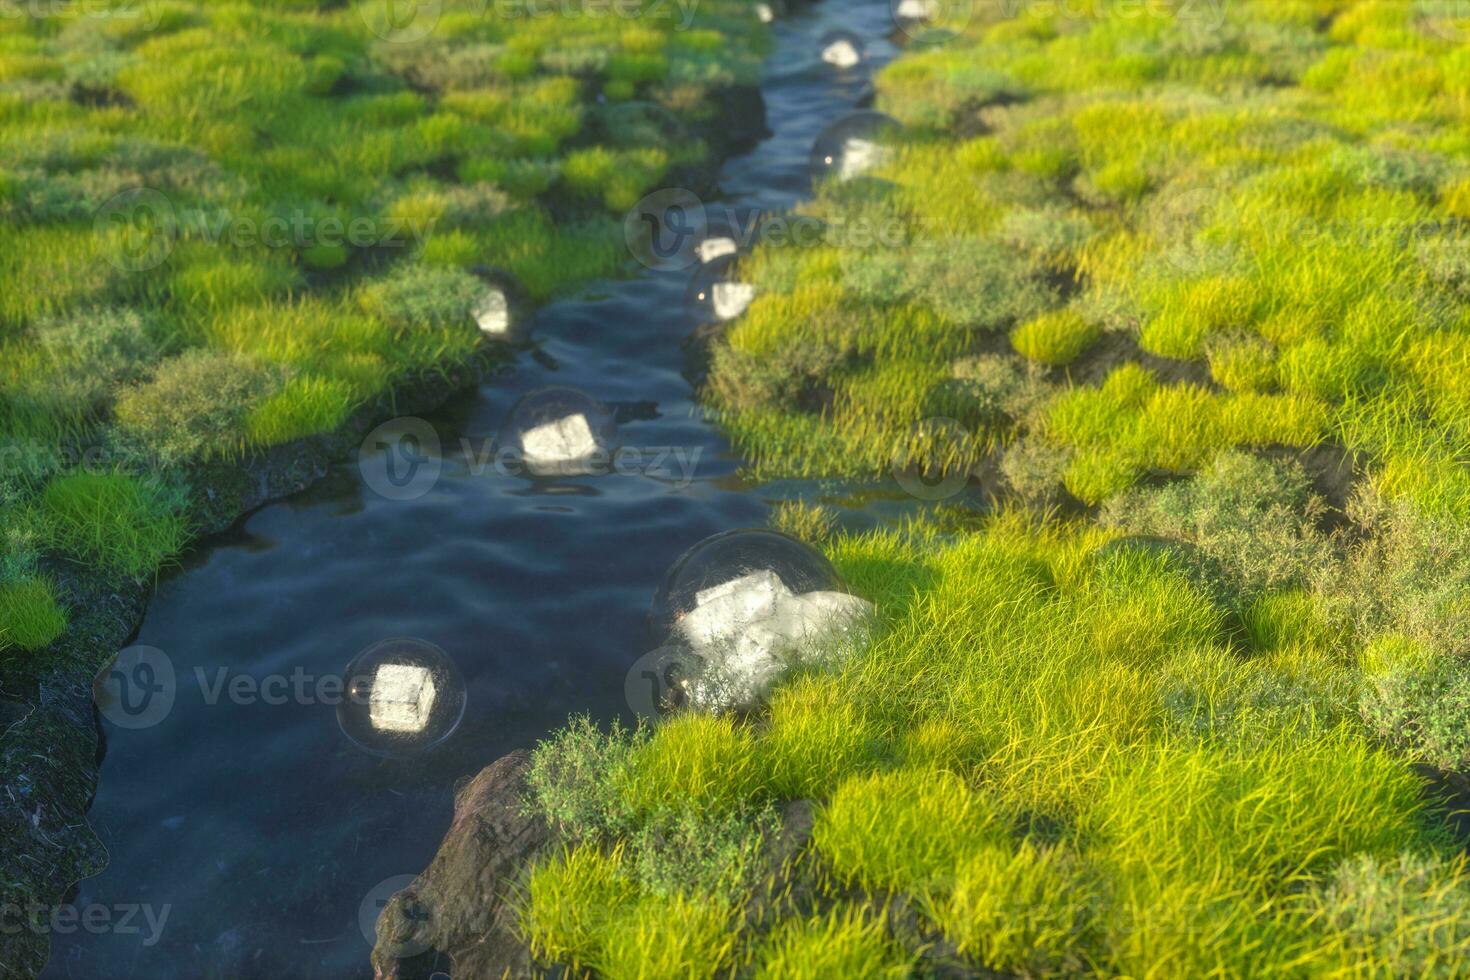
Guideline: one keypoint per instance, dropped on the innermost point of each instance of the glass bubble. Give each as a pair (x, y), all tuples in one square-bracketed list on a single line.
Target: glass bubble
[(842, 49), (715, 292), (559, 431), (744, 607), (762, 558), (401, 696), (853, 146)]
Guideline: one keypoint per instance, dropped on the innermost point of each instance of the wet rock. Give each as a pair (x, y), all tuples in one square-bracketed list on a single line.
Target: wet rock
[(459, 910)]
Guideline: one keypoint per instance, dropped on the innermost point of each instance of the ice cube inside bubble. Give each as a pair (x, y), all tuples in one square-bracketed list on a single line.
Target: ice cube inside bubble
[(859, 156), (714, 248), (566, 440), (916, 9), (730, 299), (722, 611), (492, 313), (842, 54), (402, 698)]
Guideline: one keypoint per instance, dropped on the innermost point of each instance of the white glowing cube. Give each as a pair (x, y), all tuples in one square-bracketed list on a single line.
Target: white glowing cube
[(402, 698), (764, 13), (730, 299), (753, 632), (722, 611), (916, 9), (713, 248), (859, 156), (566, 440), (842, 54), (492, 313)]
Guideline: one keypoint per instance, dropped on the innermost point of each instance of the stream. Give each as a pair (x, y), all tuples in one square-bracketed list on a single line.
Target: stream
[(248, 837)]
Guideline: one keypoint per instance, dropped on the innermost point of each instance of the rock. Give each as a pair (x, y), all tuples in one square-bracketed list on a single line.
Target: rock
[(461, 907)]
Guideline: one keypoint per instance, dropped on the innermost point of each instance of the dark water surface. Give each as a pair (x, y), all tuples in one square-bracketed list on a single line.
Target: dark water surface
[(258, 828)]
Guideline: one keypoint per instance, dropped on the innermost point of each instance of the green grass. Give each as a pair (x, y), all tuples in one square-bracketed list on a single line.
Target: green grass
[(232, 226), (1067, 761), (845, 942), (30, 615), (1276, 195), (128, 525)]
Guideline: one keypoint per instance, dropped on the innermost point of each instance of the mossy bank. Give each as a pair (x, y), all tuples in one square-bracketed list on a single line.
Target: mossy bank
[(1187, 703), (237, 234)]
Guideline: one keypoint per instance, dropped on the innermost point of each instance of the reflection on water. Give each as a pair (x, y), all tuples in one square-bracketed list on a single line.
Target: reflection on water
[(246, 812)]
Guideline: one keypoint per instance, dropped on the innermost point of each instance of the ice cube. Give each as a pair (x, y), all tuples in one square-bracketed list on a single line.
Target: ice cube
[(859, 156), (843, 54), (714, 248), (916, 9), (722, 611), (402, 698), (764, 13), (492, 313), (567, 440), (730, 299), (752, 650)]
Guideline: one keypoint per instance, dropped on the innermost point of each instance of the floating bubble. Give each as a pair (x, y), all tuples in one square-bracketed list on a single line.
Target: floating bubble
[(402, 696), (559, 431), (716, 294), (854, 146), (732, 555), (842, 49), (745, 606)]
